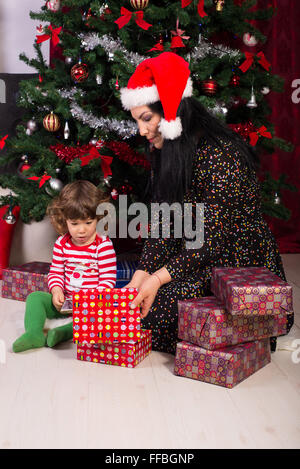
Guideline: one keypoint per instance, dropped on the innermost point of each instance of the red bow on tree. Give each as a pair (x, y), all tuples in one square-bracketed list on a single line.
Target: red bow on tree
[(126, 17), (201, 12), (262, 131), (54, 36), (42, 179), (250, 58), (2, 142), (105, 160)]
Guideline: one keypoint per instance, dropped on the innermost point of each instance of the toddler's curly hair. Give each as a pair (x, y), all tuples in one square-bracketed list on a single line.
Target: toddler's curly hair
[(76, 201)]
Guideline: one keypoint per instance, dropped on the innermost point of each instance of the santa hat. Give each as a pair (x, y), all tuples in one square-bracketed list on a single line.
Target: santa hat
[(165, 78)]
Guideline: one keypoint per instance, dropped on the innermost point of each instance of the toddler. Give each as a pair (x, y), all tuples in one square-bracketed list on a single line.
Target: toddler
[(81, 259)]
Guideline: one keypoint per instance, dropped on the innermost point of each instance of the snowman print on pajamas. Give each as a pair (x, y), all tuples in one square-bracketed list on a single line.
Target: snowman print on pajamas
[(77, 276)]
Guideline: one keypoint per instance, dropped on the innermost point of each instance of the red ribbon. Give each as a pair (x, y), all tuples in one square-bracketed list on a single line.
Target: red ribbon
[(42, 180), (250, 58), (54, 36), (2, 142), (262, 131), (126, 17), (105, 160), (200, 7)]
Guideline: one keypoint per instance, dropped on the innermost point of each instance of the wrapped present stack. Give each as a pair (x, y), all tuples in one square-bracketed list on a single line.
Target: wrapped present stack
[(226, 337), (106, 329), (19, 281)]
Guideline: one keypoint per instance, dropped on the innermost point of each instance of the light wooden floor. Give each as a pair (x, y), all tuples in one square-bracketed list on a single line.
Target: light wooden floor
[(51, 400)]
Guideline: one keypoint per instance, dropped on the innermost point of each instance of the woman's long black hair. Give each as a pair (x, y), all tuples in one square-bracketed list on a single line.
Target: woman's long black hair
[(172, 166)]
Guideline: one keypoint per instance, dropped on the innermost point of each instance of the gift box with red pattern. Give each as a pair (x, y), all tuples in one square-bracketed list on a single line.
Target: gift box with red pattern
[(251, 291), (122, 354), (19, 281), (205, 322), (105, 316), (225, 367)]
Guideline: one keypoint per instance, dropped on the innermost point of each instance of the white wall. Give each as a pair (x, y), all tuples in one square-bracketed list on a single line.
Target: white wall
[(17, 34), (32, 241)]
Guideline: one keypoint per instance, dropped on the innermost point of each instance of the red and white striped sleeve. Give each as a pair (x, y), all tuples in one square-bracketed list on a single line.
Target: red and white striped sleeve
[(107, 263), (56, 276)]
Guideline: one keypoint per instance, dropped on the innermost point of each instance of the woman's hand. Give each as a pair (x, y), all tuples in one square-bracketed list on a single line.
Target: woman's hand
[(146, 294), (138, 279), (58, 297)]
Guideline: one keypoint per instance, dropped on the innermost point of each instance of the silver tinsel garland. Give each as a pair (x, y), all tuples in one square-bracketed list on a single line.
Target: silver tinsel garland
[(206, 48), (92, 40), (124, 128)]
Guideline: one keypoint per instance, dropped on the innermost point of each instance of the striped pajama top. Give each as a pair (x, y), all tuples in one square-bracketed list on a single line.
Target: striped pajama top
[(88, 266)]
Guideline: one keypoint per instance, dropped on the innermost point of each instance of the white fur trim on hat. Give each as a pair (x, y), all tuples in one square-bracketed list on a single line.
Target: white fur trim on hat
[(132, 97), (170, 129), (188, 91), (141, 96)]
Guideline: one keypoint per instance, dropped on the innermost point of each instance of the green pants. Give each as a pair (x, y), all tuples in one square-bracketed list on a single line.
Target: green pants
[(39, 307)]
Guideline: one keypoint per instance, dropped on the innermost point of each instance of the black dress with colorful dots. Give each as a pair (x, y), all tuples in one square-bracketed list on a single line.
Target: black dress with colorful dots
[(235, 235)]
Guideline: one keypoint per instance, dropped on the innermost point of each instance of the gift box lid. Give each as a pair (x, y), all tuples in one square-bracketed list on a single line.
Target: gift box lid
[(234, 284)]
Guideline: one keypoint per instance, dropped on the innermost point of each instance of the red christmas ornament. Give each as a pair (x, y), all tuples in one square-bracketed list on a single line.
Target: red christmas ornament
[(79, 72), (209, 86), (235, 80), (24, 167), (177, 37)]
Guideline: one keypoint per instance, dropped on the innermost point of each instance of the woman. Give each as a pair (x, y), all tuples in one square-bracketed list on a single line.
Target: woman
[(195, 159)]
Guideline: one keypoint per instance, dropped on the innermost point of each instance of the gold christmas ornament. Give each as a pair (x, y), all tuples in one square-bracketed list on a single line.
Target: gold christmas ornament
[(51, 122), (139, 4), (219, 4)]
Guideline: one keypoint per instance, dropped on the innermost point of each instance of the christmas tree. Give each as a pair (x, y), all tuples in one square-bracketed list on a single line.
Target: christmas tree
[(74, 126)]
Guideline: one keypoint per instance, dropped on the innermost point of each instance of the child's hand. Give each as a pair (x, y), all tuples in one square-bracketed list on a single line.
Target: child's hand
[(58, 297)]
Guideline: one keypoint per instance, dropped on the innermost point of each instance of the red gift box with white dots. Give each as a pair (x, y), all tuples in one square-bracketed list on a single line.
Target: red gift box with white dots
[(105, 316), (122, 354)]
